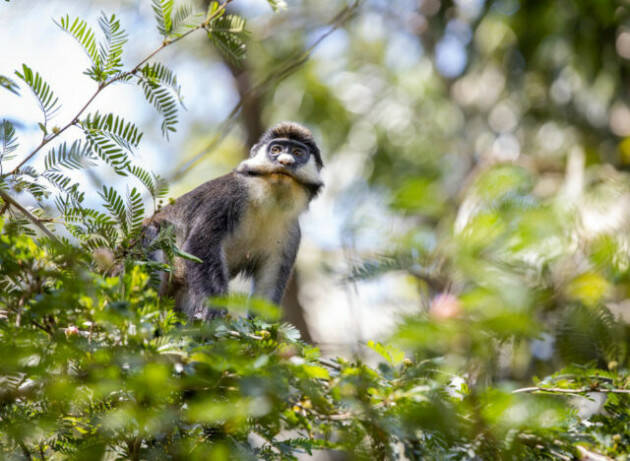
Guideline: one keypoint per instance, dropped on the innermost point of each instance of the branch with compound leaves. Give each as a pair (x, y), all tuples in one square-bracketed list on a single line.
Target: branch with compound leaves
[(8, 200), (48, 138), (121, 76)]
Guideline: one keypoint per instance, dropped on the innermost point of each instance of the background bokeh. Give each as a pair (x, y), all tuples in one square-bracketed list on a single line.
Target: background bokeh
[(413, 102), (475, 220)]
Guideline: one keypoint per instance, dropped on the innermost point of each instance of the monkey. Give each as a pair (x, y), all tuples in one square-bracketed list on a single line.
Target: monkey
[(245, 222)]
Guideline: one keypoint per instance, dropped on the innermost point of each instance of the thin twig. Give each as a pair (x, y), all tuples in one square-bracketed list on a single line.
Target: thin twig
[(329, 364), (580, 390), (30, 216)]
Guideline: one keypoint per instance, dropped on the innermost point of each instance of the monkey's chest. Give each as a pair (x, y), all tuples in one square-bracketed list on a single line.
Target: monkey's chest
[(261, 234)]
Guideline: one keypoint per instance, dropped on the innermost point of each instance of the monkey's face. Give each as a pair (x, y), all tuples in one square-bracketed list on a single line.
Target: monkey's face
[(287, 157), (288, 153)]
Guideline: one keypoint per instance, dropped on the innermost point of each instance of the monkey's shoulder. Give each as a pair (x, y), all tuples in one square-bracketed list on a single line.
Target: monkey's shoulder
[(216, 197)]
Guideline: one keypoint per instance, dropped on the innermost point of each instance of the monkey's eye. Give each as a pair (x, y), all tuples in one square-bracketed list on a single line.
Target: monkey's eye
[(276, 149), (298, 152)]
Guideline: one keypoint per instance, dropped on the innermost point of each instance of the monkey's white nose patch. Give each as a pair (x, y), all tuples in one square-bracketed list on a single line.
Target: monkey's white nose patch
[(286, 159)]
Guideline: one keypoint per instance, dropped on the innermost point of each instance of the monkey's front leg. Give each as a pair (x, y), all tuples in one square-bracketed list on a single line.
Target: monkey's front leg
[(203, 280)]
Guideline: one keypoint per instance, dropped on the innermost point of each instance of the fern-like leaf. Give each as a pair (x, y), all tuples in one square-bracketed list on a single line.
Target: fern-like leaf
[(125, 134), (277, 5), (155, 184), (181, 17), (108, 150), (135, 211), (161, 187), (110, 51), (9, 85), (8, 140), (83, 34), (37, 190), (228, 34), (64, 184), (159, 74), (145, 178), (74, 157), (163, 11), (91, 227), (116, 207), (164, 102), (45, 96)]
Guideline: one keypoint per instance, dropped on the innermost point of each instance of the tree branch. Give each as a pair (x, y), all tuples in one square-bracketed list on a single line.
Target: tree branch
[(30, 216), (118, 77), (561, 390)]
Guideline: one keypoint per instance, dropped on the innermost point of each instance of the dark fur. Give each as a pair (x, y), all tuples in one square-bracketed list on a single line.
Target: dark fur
[(295, 131), (203, 219)]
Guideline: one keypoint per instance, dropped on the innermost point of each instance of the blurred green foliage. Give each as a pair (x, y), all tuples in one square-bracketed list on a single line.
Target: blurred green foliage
[(509, 172)]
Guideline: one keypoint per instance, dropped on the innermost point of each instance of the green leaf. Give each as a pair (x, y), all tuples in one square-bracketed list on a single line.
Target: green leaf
[(393, 355), (162, 91), (83, 34), (188, 256), (49, 104), (228, 35), (180, 20), (109, 150), (110, 51), (116, 207), (74, 157), (64, 184), (159, 74), (9, 85), (135, 211), (315, 371), (155, 184), (8, 140), (162, 11), (125, 134)]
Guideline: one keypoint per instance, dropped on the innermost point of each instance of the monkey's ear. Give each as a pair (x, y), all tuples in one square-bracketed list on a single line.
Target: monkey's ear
[(254, 150)]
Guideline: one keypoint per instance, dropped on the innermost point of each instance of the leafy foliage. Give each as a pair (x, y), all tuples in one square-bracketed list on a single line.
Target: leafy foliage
[(48, 102), (73, 157), (9, 85), (8, 140), (105, 57), (110, 51), (83, 34), (155, 184), (127, 376), (162, 91), (125, 134), (520, 350), (163, 11), (229, 35)]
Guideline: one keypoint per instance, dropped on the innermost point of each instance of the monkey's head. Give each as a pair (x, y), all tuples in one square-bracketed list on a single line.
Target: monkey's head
[(287, 149)]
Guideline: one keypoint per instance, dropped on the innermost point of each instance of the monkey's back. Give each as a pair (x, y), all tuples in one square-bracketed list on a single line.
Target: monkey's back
[(210, 211)]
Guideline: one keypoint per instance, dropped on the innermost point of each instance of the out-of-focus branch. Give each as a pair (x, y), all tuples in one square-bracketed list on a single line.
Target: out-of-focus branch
[(255, 91), (580, 390), (587, 455), (30, 216)]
